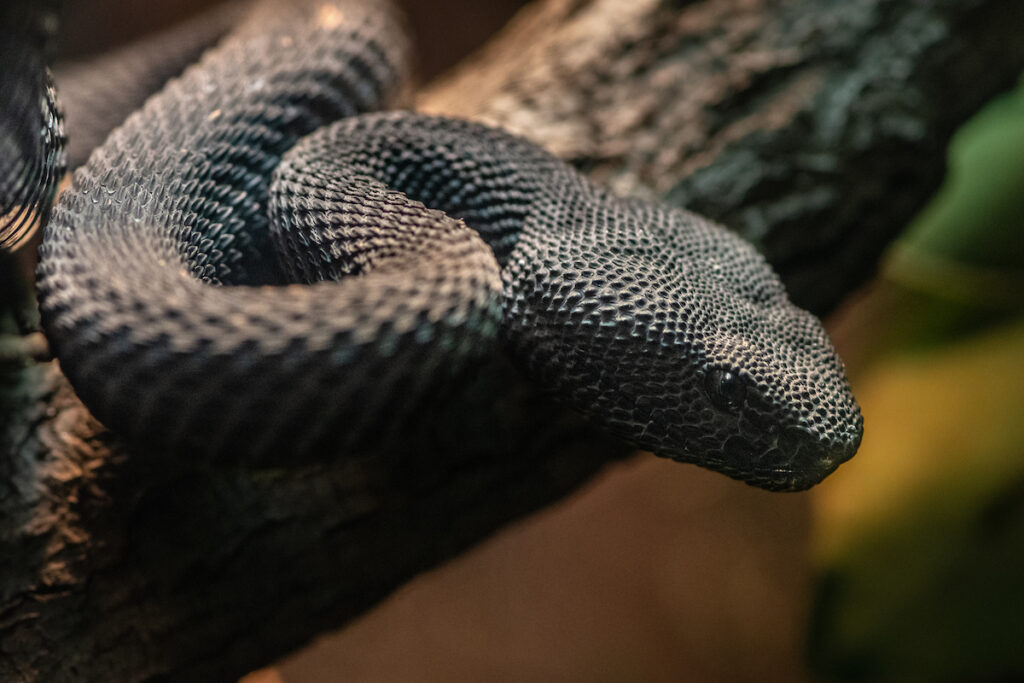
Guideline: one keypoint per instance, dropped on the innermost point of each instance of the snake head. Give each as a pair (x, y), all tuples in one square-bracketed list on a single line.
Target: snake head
[(774, 406), (681, 339)]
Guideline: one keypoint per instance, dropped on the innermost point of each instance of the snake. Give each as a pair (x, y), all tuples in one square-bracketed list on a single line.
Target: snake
[(32, 142), (271, 260)]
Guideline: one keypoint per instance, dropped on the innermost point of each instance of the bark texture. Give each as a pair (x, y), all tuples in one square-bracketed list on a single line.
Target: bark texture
[(118, 567), (815, 127)]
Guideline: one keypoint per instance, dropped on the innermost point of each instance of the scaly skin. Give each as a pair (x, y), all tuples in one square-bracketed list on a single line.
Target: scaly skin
[(162, 294), (31, 127)]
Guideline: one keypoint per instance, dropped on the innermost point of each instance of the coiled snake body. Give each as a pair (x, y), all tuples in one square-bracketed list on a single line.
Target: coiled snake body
[(201, 306)]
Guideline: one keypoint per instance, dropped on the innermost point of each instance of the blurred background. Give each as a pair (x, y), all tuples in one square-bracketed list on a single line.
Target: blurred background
[(906, 565), (444, 30)]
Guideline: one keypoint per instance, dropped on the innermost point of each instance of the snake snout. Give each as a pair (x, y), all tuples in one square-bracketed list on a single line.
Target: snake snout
[(803, 459)]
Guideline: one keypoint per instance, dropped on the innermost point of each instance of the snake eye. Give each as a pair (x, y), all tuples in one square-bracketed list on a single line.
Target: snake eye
[(724, 388)]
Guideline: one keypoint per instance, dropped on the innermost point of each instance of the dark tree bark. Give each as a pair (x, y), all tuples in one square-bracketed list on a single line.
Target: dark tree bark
[(815, 127)]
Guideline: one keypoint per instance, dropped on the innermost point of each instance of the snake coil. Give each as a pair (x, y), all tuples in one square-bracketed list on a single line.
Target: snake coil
[(247, 270)]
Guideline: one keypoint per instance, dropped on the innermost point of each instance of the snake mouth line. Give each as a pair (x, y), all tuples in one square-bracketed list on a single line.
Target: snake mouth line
[(783, 467)]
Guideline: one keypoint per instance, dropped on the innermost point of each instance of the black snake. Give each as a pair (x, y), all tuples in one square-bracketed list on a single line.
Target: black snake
[(31, 127), (247, 270)]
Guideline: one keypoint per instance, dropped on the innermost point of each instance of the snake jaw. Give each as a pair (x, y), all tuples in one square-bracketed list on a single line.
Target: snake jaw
[(795, 462)]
